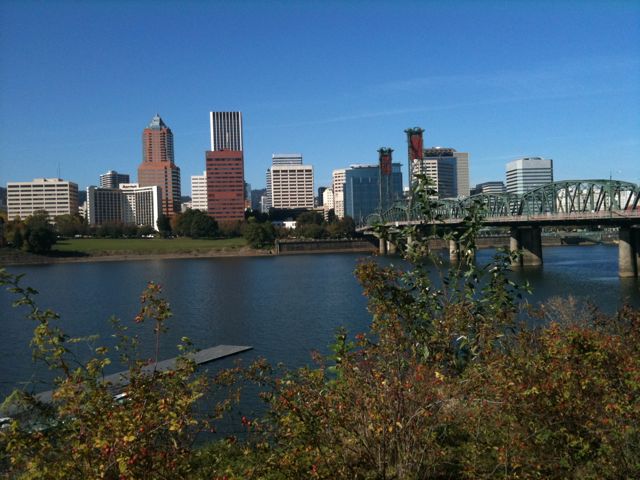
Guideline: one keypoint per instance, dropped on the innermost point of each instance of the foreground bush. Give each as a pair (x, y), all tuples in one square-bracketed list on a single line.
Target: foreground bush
[(86, 432)]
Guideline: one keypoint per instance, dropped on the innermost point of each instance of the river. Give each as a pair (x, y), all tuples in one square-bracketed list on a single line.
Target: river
[(283, 306)]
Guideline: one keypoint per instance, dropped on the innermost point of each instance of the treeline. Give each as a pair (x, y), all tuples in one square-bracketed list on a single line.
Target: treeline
[(37, 233)]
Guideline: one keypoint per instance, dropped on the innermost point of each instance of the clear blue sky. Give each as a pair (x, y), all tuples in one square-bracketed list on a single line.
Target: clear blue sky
[(335, 81)]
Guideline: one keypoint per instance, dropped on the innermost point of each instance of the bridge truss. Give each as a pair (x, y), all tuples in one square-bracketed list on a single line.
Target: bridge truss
[(565, 197)]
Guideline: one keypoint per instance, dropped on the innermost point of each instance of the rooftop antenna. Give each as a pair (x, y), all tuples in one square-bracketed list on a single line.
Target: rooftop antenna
[(58, 169)]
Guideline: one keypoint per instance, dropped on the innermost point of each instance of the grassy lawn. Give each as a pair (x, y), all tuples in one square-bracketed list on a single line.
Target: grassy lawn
[(102, 246)]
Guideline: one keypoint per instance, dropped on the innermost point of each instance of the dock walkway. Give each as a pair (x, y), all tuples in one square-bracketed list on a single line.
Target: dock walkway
[(119, 380)]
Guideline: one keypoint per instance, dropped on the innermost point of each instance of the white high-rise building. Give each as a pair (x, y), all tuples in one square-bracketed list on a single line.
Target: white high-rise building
[(130, 204), (199, 192), (53, 195), (339, 177), (447, 168), (528, 173), (289, 182), (327, 199)]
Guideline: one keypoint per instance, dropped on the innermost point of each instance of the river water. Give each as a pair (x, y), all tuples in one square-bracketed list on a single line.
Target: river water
[(284, 306)]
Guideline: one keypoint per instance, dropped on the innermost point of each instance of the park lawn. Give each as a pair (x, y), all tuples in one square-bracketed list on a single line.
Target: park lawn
[(107, 246)]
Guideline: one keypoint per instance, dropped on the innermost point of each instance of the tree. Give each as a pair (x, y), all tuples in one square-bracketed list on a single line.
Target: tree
[(195, 224), (309, 218), (258, 235), (70, 225), (14, 232), (39, 234), (164, 225), (111, 229), (343, 228), (310, 230), (230, 228)]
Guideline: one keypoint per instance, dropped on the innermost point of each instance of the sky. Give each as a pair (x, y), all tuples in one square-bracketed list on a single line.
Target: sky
[(335, 81)]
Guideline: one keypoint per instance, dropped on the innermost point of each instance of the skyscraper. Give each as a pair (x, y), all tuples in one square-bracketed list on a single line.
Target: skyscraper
[(528, 173), (226, 131), (112, 179), (158, 167), (366, 186), (225, 167)]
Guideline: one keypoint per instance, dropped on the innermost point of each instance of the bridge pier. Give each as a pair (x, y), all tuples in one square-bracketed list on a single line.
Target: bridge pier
[(628, 252), (527, 240), (391, 248), (454, 250), (382, 249)]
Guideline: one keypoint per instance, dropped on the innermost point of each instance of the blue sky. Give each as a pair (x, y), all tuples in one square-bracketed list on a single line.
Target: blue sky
[(335, 81)]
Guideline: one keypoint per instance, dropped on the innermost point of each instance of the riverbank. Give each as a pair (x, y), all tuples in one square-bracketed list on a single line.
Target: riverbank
[(116, 250), (10, 257)]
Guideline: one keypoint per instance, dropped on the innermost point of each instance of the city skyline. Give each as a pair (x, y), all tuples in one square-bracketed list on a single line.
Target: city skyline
[(540, 85)]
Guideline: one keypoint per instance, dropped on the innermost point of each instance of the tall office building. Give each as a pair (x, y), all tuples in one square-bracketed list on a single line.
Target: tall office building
[(366, 186), (53, 195), (338, 191), (226, 131), (447, 168), (528, 173), (289, 182), (112, 179), (225, 167), (158, 166), (199, 192)]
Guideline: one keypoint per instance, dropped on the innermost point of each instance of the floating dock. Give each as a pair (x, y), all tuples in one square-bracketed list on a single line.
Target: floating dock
[(119, 380)]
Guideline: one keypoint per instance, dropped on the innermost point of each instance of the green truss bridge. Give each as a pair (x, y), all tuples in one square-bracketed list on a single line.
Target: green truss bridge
[(610, 203)]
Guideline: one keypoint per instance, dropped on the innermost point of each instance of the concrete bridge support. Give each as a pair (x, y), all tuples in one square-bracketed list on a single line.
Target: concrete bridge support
[(456, 254), (628, 252), (382, 250), (528, 241), (454, 250), (391, 248)]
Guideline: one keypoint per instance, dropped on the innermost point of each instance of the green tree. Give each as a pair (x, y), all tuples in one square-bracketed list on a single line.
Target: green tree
[(258, 235), (343, 228), (309, 218), (14, 232), (310, 230), (195, 224), (39, 234), (70, 225), (164, 225), (111, 229)]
